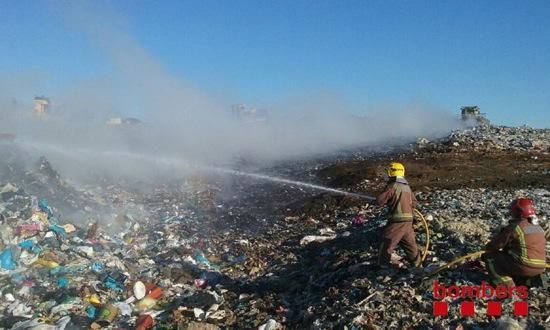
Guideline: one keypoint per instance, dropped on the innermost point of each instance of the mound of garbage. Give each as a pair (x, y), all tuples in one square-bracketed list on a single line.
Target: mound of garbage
[(190, 255), (491, 138)]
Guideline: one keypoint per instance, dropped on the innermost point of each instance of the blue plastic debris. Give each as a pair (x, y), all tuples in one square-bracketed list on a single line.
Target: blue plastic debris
[(112, 284), (97, 267), (200, 258), (27, 244), (92, 312), (36, 249), (63, 282), (45, 207), (58, 230), (6, 260), (59, 270)]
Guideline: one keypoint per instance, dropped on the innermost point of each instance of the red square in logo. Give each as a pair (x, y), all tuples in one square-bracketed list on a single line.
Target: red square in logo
[(440, 308), (467, 308), (521, 308), (494, 308)]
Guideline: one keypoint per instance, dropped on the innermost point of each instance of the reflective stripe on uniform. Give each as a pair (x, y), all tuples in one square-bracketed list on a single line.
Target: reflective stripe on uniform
[(403, 215), (532, 229), (524, 257)]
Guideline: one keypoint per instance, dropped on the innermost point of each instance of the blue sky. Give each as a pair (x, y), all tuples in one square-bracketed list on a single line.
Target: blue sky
[(443, 54)]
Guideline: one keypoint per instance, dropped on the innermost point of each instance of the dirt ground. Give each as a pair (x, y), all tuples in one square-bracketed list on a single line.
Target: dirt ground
[(430, 171), (450, 171)]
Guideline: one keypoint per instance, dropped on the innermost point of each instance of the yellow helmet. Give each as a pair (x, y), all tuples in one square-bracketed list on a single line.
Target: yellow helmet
[(395, 169)]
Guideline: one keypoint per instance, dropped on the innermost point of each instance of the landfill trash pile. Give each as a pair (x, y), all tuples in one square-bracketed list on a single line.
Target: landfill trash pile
[(199, 254), (491, 138), (464, 220), (38, 176)]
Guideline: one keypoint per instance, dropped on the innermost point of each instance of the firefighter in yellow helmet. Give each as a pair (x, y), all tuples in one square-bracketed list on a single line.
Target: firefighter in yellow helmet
[(400, 200)]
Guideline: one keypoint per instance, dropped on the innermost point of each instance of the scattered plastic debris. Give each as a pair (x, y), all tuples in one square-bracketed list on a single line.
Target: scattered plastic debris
[(176, 255)]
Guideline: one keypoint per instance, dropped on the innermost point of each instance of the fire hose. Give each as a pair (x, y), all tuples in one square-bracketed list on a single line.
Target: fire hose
[(422, 219), (427, 229), (473, 255)]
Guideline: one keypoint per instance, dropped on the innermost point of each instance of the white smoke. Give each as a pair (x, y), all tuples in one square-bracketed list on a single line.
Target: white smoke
[(180, 120)]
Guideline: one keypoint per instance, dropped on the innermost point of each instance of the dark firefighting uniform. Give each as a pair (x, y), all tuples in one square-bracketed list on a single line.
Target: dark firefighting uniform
[(401, 202), (518, 251)]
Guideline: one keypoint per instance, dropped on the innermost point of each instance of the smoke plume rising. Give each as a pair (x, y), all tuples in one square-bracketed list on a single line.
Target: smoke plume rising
[(182, 122)]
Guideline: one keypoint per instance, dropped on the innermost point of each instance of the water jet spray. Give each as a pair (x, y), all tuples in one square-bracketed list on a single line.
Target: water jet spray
[(177, 162)]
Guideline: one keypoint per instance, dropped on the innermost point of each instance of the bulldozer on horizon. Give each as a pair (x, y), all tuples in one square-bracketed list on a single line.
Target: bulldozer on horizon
[(473, 113)]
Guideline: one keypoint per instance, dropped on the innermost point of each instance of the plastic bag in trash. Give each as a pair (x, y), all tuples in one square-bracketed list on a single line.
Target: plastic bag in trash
[(271, 324), (36, 324), (59, 231), (27, 244), (45, 207), (6, 260), (200, 258)]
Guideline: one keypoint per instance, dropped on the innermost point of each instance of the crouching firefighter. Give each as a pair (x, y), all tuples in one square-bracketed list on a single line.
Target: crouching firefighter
[(400, 200), (517, 255)]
